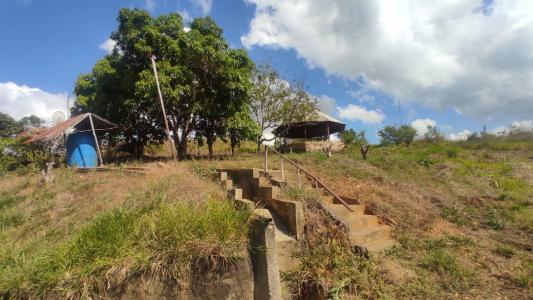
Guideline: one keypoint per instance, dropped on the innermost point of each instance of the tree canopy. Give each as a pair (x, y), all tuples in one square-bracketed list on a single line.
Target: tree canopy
[(404, 134), (203, 81), (276, 101), (8, 125)]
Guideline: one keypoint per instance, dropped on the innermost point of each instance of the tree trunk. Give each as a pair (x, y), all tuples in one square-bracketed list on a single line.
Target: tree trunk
[(176, 141), (210, 147), (138, 150), (259, 146), (182, 148), (233, 143), (364, 150), (198, 147)]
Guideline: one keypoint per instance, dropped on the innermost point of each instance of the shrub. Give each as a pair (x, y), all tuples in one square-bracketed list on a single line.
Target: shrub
[(404, 134), (424, 162), (452, 153), (433, 134), (493, 219)]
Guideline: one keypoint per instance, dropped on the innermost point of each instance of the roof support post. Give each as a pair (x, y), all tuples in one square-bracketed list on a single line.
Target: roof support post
[(96, 141)]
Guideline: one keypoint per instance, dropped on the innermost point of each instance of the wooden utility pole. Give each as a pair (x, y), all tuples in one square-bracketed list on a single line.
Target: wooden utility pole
[(162, 106), (96, 140)]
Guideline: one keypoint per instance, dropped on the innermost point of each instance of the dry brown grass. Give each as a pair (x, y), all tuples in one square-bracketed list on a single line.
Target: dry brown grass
[(73, 198), (455, 205), (90, 234)]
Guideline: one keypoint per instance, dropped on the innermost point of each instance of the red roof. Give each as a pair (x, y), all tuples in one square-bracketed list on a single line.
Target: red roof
[(79, 123)]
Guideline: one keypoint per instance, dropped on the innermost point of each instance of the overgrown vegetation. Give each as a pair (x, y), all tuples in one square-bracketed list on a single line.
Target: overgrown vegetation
[(156, 233), (328, 265), (464, 214)]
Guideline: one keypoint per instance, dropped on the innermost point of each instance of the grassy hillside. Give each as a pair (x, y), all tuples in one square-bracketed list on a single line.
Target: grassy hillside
[(462, 215), (463, 212), (89, 234)]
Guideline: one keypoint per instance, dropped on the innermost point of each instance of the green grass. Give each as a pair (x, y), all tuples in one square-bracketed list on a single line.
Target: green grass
[(155, 235), (453, 215), (436, 262), (505, 251)]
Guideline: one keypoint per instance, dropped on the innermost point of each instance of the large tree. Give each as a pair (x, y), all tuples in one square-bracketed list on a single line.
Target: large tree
[(404, 134), (203, 80), (30, 122), (275, 101), (8, 126), (241, 127)]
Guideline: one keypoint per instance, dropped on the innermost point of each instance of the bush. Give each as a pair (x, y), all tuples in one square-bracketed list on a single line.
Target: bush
[(452, 153), (14, 153), (404, 134), (494, 220)]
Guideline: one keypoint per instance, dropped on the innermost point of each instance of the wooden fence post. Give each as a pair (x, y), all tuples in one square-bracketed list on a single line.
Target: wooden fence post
[(299, 182)]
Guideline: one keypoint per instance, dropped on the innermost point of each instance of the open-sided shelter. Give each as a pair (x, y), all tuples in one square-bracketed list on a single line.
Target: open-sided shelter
[(83, 149), (310, 135)]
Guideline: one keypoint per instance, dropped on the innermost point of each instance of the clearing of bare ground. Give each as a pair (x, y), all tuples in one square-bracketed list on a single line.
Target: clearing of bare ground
[(462, 212)]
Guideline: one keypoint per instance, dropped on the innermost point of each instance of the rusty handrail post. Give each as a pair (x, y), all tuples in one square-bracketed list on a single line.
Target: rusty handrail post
[(266, 159), (311, 176), (282, 170)]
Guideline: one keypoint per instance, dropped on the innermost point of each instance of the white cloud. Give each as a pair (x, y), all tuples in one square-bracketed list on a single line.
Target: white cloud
[(443, 53), (421, 126), (187, 18), (326, 104), (20, 100), (354, 112), (150, 5), (459, 136), (523, 125), (204, 5), (108, 46)]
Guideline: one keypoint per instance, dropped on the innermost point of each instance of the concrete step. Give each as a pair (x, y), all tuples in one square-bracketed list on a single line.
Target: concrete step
[(340, 211), (227, 184), (379, 245), (356, 222), (261, 182), (268, 192), (223, 176), (368, 235)]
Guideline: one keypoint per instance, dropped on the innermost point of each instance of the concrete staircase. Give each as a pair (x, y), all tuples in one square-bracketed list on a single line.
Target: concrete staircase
[(249, 188), (365, 231), (261, 192)]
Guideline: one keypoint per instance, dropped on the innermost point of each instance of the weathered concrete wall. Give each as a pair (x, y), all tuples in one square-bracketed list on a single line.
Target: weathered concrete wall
[(291, 213), (235, 283), (264, 257), (312, 146), (243, 178)]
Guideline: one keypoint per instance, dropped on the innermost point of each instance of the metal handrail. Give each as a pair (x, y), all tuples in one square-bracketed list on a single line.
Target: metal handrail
[(317, 181)]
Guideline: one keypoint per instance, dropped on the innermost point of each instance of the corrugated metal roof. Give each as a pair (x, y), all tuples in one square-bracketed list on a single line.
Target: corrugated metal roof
[(323, 117), (78, 123)]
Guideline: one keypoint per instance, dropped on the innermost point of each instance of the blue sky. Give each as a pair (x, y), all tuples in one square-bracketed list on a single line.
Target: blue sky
[(458, 64)]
